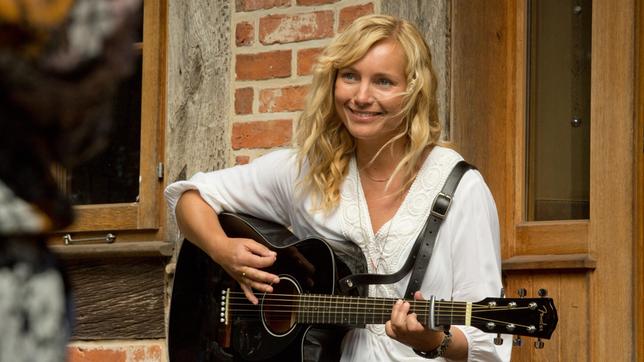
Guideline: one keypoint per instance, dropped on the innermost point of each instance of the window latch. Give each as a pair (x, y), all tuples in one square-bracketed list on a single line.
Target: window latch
[(109, 238)]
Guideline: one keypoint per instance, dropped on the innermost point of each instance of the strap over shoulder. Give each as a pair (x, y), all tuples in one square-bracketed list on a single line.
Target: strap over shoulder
[(422, 250)]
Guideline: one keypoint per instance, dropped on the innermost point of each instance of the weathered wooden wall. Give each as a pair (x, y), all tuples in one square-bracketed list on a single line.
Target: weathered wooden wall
[(198, 111), (433, 19), (118, 298)]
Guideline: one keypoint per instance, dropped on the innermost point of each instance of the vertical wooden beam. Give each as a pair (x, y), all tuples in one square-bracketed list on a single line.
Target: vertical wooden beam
[(638, 255), (483, 96), (152, 112), (611, 177), (433, 20), (199, 91)]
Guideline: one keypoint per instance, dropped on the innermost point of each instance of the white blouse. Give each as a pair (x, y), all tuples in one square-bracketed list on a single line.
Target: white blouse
[(465, 265)]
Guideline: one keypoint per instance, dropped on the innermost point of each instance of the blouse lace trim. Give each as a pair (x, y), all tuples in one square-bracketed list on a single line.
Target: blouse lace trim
[(391, 244)]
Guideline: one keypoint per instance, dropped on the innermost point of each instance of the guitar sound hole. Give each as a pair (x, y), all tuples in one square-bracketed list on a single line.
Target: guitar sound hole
[(278, 308)]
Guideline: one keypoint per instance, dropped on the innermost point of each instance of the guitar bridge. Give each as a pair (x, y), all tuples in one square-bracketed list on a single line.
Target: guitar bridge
[(224, 306), (224, 334)]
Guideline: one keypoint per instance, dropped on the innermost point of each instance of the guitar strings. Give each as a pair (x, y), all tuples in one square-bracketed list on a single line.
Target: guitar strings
[(321, 317), (334, 300), (321, 310)]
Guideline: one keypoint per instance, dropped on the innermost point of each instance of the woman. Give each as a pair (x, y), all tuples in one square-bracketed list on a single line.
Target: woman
[(366, 169)]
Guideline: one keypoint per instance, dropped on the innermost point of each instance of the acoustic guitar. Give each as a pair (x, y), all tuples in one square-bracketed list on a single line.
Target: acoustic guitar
[(306, 315)]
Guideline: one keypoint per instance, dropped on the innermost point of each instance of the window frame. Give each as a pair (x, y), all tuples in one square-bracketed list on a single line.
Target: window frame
[(143, 219), (529, 238)]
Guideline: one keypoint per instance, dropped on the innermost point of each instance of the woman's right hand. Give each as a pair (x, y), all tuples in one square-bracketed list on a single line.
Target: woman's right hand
[(243, 260)]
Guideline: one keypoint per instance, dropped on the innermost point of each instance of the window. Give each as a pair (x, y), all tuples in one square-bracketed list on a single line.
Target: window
[(553, 208), (558, 109), (120, 191)]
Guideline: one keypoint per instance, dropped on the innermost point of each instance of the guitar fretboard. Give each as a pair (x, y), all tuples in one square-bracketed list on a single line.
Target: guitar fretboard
[(354, 311)]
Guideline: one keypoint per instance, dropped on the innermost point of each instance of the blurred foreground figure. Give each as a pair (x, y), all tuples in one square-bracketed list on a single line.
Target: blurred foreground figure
[(60, 62)]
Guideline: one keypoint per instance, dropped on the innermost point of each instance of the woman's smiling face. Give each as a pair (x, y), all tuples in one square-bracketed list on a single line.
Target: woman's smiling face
[(369, 93)]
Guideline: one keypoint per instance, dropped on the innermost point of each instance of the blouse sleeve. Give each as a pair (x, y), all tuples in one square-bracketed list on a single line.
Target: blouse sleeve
[(476, 260), (262, 188)]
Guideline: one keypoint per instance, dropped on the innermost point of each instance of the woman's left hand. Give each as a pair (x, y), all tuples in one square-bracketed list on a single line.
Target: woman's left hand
[(405, 328)]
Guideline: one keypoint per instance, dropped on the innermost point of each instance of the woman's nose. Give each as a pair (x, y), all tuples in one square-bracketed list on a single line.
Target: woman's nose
[(363, 95)]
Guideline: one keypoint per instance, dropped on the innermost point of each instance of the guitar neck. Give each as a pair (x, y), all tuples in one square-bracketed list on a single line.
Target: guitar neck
[(346, 310)]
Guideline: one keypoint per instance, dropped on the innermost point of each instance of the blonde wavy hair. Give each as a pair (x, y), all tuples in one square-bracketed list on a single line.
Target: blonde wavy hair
[(325, 145)]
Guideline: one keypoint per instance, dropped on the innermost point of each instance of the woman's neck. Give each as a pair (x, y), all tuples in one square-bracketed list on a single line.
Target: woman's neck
[(378, 162), (379, 168)]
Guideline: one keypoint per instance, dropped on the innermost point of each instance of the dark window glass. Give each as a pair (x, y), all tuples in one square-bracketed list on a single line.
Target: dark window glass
[(558, 114), (113, 175)]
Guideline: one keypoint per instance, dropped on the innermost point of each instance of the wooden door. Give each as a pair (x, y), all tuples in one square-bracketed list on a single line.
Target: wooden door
[(586, 264)]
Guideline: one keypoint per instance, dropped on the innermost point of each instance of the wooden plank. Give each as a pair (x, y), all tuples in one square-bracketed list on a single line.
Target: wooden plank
[(152, 113), (551, 350), (550, 262), (611, 175), (118, 249), (519, 180), (483, 51), (638, 255), (569, 290), (104, 217), (119, 298), (552, 237), (574, 316)]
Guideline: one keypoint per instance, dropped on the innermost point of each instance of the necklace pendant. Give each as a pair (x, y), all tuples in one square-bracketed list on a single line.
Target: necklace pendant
[(378, 265)]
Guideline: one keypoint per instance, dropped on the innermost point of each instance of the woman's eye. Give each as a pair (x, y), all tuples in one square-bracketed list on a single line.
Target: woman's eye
[(384, 82), (349, 76)]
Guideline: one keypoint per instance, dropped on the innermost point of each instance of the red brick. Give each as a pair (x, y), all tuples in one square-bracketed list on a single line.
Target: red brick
[(315, 2), (147, 353), (250, 5), (284, 28), (244, 34), (259, 66), (351, 13), (242, 160), (244, 100), (287, 99), (306, 58), (78, 354), (262, 134)]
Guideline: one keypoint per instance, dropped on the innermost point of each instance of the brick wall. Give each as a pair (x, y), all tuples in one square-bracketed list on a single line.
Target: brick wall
[(275, 44), (117, 351)]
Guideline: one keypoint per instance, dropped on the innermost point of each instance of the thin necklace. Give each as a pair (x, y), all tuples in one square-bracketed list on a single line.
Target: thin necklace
[(373, 178)]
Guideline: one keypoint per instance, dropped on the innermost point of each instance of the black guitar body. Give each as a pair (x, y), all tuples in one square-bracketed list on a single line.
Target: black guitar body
[(197, 331)]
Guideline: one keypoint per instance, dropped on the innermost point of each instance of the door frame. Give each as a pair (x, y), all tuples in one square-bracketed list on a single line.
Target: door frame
[(600, 257)]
